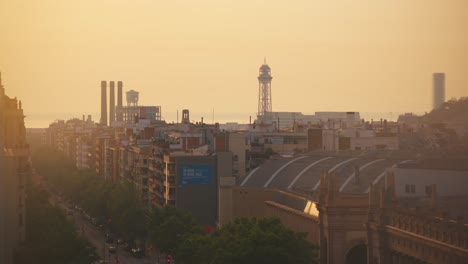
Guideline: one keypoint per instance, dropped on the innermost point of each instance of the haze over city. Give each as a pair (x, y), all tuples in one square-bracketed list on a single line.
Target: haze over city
[(202, 55), (221, 132)]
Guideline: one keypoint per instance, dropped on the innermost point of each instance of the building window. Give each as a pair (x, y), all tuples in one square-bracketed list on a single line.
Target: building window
[(410, 188), (429, 190)]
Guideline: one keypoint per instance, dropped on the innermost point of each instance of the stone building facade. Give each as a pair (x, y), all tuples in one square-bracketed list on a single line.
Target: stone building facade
[(14, 168), (377, 227)]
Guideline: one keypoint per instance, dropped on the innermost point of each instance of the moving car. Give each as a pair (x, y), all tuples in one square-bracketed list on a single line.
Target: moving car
[(100, 262), (120, 241), (112, 249)]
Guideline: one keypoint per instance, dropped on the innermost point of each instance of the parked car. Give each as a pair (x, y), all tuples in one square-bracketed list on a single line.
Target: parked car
[(128, 246), (87, 216), (110, 240), (96, 222), (100, 262), (138, 252)]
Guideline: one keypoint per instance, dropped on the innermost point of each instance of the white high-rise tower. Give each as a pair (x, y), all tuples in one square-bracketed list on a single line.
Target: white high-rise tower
[(438, 86)]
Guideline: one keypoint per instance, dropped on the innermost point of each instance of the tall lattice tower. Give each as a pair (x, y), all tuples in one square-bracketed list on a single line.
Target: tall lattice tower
[(264, 89)]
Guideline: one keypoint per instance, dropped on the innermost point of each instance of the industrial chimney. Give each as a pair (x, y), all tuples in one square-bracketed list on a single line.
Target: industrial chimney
[(112, 102), (103, 103), (119, 101)]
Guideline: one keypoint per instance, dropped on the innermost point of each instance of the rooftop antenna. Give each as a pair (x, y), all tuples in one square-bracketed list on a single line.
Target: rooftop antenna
[(213, 116)]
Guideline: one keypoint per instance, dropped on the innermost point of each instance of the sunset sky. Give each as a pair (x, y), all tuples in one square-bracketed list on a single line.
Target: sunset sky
[(368, 56)]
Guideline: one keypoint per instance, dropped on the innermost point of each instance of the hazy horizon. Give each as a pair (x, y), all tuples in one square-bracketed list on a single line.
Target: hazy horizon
[(43, 120), (203, 55)]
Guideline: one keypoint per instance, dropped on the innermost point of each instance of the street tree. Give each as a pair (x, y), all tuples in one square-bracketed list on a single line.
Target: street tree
[(256, 241), (50, 237), (170, 227)]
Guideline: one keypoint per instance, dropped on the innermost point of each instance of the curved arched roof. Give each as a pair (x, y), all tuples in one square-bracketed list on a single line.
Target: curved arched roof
[(301, 174)]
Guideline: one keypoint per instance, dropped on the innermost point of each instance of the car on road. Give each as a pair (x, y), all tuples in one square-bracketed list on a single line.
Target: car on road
[(120, 241), (112, 249), (100, 262)]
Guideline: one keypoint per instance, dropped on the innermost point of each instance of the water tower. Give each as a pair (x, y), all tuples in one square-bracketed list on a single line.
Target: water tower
[(132, 98)]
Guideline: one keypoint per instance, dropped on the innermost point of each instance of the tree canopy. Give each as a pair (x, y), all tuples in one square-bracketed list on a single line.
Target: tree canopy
[(169, 228), (101, 199), (452, 110), (50, 237), (251, 240)]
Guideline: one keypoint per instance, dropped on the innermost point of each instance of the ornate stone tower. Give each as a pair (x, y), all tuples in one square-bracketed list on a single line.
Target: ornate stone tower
[(264, 90)]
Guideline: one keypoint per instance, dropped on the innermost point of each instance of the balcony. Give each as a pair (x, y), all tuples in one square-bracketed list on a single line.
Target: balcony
[(169, 172), (170, 182), (159, 194), (142, 165), (169, 196), (160, 202)]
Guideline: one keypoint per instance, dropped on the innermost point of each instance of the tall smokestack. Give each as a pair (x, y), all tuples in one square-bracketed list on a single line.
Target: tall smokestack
[(119, 101), (103, 103), (112, 103)]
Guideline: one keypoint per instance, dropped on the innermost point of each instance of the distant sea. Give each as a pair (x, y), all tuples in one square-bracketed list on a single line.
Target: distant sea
[(43, 120)]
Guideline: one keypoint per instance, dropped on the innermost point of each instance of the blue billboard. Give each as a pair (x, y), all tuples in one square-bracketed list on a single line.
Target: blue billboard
[(195, 175)]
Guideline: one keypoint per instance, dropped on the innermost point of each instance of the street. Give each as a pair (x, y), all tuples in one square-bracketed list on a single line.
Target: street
[(96, 237)]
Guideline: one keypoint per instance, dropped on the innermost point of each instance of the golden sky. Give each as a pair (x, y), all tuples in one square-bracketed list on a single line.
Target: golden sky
[(356, 55)]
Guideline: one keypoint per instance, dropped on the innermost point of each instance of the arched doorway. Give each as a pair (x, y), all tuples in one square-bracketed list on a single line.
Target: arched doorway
[(357, 255)]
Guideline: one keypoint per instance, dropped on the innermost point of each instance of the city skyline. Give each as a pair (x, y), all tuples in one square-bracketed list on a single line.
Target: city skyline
[(305, 132), (365, 56)]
